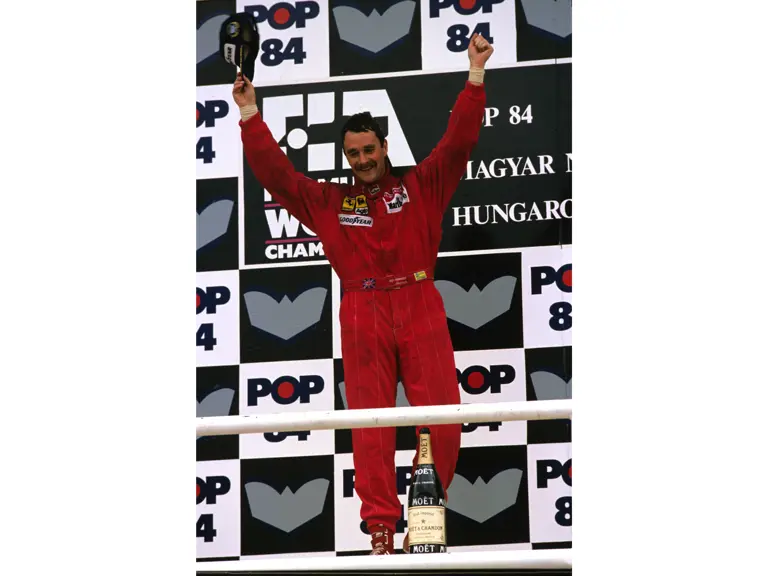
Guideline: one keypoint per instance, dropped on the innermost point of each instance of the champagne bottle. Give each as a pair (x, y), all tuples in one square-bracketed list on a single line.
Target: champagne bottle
[(426, 503)]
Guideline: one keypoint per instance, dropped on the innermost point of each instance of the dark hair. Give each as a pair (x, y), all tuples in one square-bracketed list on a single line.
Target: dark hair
[(362, 122)]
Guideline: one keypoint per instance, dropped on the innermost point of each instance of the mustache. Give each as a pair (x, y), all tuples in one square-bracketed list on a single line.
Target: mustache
[(364, 166)]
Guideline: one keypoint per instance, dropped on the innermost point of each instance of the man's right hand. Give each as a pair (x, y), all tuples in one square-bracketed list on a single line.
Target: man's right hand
[(243, 91)]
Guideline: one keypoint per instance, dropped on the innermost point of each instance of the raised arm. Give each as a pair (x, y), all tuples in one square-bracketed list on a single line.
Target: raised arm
[(440, 172), (300, 195)]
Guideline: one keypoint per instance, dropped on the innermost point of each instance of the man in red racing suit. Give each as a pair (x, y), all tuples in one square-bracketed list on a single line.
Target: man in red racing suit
[(381, 236)]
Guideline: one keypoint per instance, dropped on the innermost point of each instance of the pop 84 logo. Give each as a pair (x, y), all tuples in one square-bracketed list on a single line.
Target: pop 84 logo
[(282, 16), (492, 376), (555, 471), (208, 301), (217, 528), (209, 489), (217, 337), (218, 142), (293, 38), (270, 388), (459, 34), (547, 309), (449, 25), (207, 114), (560, 312), (549, 491)]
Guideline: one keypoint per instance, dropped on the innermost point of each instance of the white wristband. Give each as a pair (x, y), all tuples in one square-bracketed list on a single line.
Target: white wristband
[(248, 111), (476, 74)]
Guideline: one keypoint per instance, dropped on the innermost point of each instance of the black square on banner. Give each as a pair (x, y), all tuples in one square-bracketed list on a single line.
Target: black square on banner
[(544, 30), (211, 67), (483, 300), (548, 377), (217, 395), (285, 314), (217, 229), (488, 498), (287, 505), (374, 36), (516, 191)]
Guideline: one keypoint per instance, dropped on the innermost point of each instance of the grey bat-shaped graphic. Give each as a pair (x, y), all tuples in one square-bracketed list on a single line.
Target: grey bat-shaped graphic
[(285, 319), (213, 221), (553, 16), (481, 501), (401, 401), (476, 308), (548, 386), (208, 37), (287, 511), (217, 403), (376, 31)]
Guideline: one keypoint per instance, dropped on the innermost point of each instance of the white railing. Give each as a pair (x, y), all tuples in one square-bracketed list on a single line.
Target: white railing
[(493, 560), (392, 417), (384, 417)]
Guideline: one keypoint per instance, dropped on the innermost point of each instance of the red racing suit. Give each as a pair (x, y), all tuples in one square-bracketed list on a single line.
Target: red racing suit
[(382, 241)]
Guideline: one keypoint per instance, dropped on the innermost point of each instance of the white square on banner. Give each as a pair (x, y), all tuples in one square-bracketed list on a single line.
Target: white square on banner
[(447, 25), (274, 387), (349, 535), (492, 376), (218, 318), (547, 285), (218, 509), (219, 147), (294, 39), (549, 492)]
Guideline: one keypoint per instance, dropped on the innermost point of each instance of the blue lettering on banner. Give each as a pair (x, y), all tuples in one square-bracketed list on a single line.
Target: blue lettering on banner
[(546, 276), (280, 436), (207, 114), (282, 16), (285, 390), (207, 491), (208, 300), (463, 7), (459, 34), (561, 318), (479, 379)]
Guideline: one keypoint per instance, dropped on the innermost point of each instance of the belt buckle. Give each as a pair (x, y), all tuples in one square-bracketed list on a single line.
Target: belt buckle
[(369, 283)]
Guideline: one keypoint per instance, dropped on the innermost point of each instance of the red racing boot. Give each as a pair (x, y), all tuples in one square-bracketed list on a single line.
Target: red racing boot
[(382, 540)]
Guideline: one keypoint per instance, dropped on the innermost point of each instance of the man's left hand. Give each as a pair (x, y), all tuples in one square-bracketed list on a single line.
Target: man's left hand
[(479, 51)]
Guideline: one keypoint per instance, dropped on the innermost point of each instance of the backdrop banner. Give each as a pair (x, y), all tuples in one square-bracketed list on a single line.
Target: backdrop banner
[(268, 302)]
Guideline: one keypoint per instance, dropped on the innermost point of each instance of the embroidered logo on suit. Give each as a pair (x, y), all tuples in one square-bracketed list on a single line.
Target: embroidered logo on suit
[(395, 199), (358, 205)]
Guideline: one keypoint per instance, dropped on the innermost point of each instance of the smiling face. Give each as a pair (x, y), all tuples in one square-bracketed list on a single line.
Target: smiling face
[(365, 147), (366, 155)]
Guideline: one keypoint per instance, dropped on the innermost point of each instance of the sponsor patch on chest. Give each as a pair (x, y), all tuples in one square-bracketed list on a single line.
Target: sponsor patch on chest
[(358, 205), (355, 220), (395, 199)]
